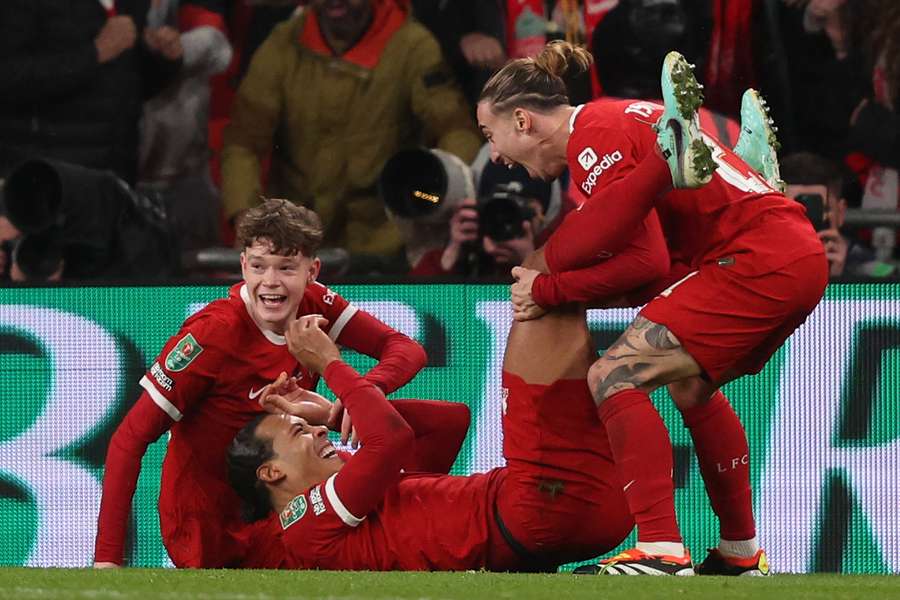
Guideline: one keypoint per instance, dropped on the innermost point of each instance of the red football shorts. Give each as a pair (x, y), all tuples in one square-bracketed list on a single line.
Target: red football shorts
[(562, 497), (732, 324)]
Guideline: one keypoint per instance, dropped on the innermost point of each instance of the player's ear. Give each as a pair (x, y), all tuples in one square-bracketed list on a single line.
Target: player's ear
[(522, 120), (269, 473), (314, 267)]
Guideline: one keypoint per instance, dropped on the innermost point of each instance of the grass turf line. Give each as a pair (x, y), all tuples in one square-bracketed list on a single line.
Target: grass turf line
[(127, 584)]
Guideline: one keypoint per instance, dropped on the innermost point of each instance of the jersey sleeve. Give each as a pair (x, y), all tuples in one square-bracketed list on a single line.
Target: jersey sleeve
[(188, 365), (612, 163), (644, 260), (143, 425), (440, 429), (399, 357), (386, 439)]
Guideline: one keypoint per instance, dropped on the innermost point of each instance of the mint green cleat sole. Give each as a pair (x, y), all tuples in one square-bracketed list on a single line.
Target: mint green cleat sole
[(678, 129), (757, 144)]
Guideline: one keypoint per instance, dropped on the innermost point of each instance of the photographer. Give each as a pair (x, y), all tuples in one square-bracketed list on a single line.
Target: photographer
[(511, 216), (61, 220), (817, 183)]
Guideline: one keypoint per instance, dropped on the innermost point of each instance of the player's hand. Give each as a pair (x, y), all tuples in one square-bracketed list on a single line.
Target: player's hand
[(310, 345), (836, 249), (165, 41), (348, 431), (463, 230), (306, 404), (524, 306), (118, 35), (106, 565), (482, 51)]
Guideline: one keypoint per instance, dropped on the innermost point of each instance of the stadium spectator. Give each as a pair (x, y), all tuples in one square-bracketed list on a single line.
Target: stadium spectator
[(557, 500), (73, 77), (205, 385), (815, 73), (379, 85), (818, 183), (471, 35), (173, 151), (874, 141), (753, 240)]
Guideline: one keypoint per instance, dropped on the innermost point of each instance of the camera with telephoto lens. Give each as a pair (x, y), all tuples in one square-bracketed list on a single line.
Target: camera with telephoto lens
[(502, 214), (424, 186)]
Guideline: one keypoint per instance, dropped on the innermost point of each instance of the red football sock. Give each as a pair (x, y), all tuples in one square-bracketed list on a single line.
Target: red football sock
[(721, 446), (642, 451)]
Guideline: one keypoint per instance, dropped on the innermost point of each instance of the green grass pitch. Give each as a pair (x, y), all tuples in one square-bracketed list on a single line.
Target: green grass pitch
[(22, 584)]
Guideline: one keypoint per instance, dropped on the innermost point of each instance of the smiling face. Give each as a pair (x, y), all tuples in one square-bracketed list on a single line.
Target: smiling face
[(514, 141), (302, 453), (275, 283)]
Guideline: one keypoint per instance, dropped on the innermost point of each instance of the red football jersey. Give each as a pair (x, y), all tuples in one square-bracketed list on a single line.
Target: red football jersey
[(736, 216), (204, 387), (424, 523), (208, 378)]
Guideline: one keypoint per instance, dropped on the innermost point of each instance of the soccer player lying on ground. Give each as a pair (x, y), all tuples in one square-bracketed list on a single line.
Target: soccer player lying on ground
[(205, 385), (558, 500), (752, 273)]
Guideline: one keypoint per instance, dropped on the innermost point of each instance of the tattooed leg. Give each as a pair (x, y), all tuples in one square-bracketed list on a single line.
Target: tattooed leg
[(645, 357)]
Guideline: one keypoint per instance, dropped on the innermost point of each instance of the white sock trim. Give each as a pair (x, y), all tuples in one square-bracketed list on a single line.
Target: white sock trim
[(739, 548), (665, 548)]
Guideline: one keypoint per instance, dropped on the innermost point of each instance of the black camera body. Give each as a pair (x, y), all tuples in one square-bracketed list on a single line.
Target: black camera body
[(501, 214)]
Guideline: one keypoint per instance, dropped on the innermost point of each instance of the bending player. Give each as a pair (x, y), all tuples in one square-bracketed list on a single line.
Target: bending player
[(558, 499), (206, 382), (753, 272)]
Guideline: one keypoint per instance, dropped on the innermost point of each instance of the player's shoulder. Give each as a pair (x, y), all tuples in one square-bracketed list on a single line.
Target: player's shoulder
[(606, 112), (220, 320), (314, 508), (318, 298)]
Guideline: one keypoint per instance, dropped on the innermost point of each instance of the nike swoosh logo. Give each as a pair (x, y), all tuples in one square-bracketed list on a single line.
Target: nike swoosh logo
[(254, 394), (579, 207), (628, 485)]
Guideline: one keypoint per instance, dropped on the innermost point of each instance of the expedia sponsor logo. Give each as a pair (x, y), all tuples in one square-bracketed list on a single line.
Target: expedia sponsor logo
[(607, 161), (587, 158)]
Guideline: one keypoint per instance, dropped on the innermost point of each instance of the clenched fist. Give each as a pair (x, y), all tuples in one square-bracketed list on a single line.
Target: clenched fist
[(310, 345)]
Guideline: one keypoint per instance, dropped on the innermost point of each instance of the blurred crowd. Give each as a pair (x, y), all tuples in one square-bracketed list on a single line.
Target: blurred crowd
[(134, 134)]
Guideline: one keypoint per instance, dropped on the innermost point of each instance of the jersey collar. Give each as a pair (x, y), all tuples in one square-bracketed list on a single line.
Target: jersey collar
[(273, 337), (572, 117)]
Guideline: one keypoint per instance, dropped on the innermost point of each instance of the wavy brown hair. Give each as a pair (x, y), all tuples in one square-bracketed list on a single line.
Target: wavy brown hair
[(290, 228)]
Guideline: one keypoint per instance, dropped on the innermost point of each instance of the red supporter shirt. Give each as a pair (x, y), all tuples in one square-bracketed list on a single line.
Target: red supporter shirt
[(204, 387), (370, 517)]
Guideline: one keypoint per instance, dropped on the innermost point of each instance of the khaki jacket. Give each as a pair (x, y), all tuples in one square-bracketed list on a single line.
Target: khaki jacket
[(332, 122)]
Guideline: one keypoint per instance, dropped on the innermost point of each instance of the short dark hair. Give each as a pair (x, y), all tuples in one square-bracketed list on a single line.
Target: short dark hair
[(290, 228), (246, 453), (806, 168)]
